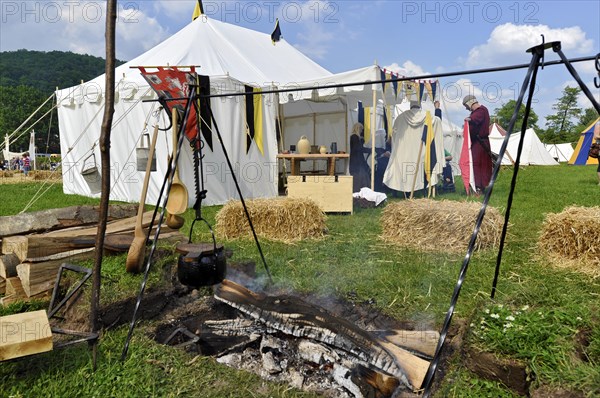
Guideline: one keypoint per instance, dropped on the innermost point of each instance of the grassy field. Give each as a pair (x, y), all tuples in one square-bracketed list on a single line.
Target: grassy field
[(545, 307)]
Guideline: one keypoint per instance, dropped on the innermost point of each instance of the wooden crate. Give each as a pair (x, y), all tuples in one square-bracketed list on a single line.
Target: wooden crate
[(332, 193), (24, 334)]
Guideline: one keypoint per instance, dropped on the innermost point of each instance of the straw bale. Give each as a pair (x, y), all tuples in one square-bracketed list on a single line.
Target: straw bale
[(46, 175), (439, 226), (279, 219), (572, 238)]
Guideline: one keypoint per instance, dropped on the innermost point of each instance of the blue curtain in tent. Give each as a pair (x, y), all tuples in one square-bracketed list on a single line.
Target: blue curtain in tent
[(361, 113)]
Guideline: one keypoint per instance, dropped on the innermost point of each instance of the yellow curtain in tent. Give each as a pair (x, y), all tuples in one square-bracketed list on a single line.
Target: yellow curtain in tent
[(429, 91), (367, 126), (430, 157)]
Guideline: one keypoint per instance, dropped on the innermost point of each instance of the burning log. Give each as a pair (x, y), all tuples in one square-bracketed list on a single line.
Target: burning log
[(297, 318)]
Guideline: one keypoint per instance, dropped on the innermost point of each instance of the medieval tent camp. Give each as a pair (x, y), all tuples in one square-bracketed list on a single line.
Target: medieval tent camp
[(234, 58), (560, 152), (580, 154), (534, 152)]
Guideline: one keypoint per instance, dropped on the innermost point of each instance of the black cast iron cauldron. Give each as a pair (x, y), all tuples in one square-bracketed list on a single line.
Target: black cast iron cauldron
[(201, 264), (203, 268)]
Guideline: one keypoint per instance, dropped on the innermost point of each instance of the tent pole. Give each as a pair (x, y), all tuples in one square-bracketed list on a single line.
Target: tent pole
[(373, 127)]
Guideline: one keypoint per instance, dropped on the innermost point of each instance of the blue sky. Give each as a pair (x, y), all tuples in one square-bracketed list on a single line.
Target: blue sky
[(412, 37)]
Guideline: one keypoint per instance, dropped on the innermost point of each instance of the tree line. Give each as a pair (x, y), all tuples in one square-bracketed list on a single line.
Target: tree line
[(27, 79), (563, 126)]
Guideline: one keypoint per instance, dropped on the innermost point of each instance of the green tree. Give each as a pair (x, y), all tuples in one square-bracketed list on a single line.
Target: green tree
[(503, 115), (562, 126), (588, 116), (16, 105)]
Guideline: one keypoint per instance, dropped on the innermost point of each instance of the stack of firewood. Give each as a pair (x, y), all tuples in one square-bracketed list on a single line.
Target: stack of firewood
[(34, 245)]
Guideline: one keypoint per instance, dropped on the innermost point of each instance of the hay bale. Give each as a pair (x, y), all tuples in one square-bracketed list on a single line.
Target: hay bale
[(439, 226), (571, 239), (280, 219), (46, 175)]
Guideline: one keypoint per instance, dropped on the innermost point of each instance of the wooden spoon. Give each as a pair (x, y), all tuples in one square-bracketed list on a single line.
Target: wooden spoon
[(177, 203), (174, 221), (137, 250)]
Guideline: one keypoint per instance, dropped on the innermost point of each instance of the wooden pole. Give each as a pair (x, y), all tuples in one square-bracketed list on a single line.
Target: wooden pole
[(109, 109), (412, 190), (373, 127)]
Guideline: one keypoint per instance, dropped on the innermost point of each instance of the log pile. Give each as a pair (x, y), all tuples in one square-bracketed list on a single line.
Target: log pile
[(34, 245)]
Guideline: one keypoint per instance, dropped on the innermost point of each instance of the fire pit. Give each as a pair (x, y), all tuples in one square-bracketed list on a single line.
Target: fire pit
[(293, 340)]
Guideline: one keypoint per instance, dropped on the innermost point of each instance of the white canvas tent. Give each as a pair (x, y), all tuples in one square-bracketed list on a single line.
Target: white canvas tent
[(534, 152), (327, 115), (232, 56), (560, 152)]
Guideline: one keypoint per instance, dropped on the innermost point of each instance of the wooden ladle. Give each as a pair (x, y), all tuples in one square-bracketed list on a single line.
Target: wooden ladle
[(178, 194), (137, 250)]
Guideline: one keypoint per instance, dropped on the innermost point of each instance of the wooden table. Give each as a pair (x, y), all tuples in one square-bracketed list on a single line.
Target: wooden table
[(296, 158)]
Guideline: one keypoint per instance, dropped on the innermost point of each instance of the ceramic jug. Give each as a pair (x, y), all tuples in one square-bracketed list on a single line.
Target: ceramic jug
[(323, 149), (303, 146)]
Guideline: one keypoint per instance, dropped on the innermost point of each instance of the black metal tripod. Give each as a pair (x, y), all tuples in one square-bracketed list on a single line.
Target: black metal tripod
[(537, 60)]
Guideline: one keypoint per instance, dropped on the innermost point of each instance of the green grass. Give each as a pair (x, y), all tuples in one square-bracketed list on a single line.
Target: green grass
[(351, 262)]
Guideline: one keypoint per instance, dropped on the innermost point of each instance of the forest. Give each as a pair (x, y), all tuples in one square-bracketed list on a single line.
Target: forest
[(27, 79)]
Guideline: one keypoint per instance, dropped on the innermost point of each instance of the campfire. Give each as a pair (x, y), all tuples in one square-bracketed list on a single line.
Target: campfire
[(287, 339)]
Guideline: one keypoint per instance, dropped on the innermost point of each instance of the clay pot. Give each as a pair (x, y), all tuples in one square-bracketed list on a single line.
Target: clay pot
[(303, 146), (323, 149)]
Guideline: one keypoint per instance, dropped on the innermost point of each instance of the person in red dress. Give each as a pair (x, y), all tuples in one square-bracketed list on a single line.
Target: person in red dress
[(479, 127)]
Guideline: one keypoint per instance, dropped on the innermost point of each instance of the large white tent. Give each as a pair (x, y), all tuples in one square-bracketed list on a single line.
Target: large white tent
[(560, 152), (231, 56), (533, 153)]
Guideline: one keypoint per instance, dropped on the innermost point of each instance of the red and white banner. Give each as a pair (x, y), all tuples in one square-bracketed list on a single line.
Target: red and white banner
[(466, 162)]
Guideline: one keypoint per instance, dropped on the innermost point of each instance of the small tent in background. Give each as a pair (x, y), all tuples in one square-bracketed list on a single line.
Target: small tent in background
[(560, 152), (496, 137), (534, 152), (580, 154)]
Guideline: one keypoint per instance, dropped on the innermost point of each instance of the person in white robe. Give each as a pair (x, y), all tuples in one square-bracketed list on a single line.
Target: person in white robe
[(404, 161)]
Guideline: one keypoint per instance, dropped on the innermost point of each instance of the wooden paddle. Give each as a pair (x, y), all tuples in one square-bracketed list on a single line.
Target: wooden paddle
[(137, 250), (177, 203)]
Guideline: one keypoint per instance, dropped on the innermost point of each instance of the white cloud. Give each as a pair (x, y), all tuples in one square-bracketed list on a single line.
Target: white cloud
[(408, 68), (507, 43), (78, 27)]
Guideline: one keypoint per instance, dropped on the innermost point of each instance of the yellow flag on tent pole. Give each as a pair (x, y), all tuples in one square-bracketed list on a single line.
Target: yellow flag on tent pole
[(198, 10)]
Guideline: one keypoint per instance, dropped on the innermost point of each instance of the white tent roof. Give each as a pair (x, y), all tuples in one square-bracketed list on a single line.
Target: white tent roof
[(232, 56), (562, 152), (219, 49), (534, 152)]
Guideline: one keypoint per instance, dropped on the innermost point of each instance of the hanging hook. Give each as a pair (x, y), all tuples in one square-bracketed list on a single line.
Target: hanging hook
[(597, 79)]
